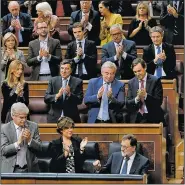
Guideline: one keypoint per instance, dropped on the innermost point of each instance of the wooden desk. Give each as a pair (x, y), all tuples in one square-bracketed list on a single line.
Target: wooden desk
[(61, 178), (149, 135)]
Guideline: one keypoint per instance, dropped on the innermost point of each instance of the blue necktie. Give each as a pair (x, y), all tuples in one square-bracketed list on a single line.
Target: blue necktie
[(105, 112), (124, 169), (159, 64)]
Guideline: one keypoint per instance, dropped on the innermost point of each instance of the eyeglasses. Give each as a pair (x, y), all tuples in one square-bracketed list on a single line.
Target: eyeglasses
[(116, 34), (125, 147)]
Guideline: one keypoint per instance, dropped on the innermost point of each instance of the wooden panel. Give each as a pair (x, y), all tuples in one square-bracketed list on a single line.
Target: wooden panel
[(150, 135)]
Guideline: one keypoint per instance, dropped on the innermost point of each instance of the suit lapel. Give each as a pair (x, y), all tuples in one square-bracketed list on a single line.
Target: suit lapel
[(21, 19), (181, 3), (74, 48), (37, 46), (114, 88), (148, 83), (119, 162), (13, 133), (49, 44), (99, 84), (135, 164), (124, 46), (136, 86), (91, 16), (153, 51)]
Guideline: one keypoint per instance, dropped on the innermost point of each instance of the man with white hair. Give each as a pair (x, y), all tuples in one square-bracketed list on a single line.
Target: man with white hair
[(105, 96), (90, 20), (19, 140), (18, 23), (120, 51)]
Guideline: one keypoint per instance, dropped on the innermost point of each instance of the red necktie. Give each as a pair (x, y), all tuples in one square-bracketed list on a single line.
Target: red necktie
[(59, 9), (142, 110)]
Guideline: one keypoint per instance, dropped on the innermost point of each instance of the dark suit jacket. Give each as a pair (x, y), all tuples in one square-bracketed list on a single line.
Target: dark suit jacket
[(90, 59), (109, 51), (168, 65), (113, 166), (9, 152), (94, 19), (168, 21), (58, 163), (56, 57), (10, 97), (153, 101), (115, 105), (69, 105), (26, 23)]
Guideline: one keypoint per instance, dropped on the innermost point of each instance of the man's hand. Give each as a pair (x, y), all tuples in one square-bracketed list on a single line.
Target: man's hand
[(85, 19), (60, 92), (43, 53), (20, 139), (100, 92), (119, 51), (67, 90), (79, 52), (109, 93), (27, 134), (17, 24), (97, 165)]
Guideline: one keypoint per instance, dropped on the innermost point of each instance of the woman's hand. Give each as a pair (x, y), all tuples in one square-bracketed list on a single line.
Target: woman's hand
[(19, 89), (83, 143), (11, 54), (65, 150)]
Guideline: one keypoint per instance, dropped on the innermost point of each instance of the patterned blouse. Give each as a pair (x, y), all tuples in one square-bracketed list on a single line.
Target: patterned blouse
[(70, 163)]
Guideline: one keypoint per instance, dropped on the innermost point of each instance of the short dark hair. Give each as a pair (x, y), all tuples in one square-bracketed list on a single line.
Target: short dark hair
[(67, 61), (63, 123), (78, 25), (138, 61), (132, 138)]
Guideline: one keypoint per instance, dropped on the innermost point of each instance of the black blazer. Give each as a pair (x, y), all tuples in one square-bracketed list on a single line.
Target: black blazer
[(94, 19), (10, 97), (58, 163), (90, 59), (168, 65), (26, 23), (139, 166), (168, 21), (69, 105), (153, 101), (56, 57)]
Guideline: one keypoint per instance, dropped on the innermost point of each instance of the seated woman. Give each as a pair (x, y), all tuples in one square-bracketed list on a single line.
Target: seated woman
[(10, 52), (108, 19), (14, 89), (67, 152), (139, 28), (45, 14)]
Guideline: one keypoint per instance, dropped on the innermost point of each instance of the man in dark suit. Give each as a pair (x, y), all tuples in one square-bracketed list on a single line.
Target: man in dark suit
[(160, 56), (90, 20), (44, 55), (172, 18), (121, 52), (83, 53), (127, 161), (63, 95), (19, 141), (145, 95), (105, 97), (18, 23)]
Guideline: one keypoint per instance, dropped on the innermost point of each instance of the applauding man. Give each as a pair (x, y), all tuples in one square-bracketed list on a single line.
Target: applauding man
[(63, 95), (105, 96)]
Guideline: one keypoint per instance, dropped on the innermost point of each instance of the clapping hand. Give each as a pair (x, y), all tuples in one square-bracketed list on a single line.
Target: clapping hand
[(26, 134), (79, 52), (19, 89), (83, 143), (109, 93), (100, 92), (66, 150), (97, 165), (67, 90)]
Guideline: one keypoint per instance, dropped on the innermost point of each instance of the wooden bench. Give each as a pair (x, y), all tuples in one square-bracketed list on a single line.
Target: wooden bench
[(149, 135), (178, 49), (61, 178)]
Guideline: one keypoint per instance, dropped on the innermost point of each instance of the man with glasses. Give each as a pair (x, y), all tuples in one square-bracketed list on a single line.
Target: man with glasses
[(126, 161), (44, 55), (120, 51), (63, 95), (105, 96), (19, 141)]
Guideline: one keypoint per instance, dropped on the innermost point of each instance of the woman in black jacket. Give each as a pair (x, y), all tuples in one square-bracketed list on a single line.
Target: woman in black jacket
[(67, 152)]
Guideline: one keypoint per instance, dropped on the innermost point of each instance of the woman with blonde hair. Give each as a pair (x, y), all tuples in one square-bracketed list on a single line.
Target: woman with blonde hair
[(140, 26), (10, 52), (14, 89), (108, 19), (45, 14)]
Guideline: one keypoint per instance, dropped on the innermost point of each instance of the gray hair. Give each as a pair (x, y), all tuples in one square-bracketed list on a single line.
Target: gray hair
[(157, 29), (19, 108), (45, 8), (119, 26), (109, 64), (13, 3)]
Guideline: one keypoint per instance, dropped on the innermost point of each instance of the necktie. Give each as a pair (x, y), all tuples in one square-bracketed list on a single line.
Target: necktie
[(124, 169), (142, 110), (175, 4), (16, 31), (80, 72), (64, 83), (59, 9), (119, 59), (104, 104), (159, 64), (21, 154)]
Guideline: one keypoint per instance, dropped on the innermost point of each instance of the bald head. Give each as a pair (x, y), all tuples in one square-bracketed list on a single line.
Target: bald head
[(14, 8)]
